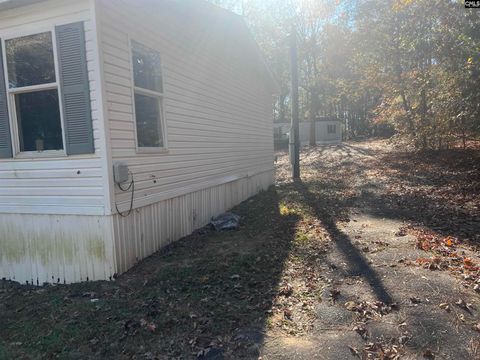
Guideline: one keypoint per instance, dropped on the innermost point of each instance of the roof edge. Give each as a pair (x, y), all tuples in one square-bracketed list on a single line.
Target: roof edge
[(12, 4)]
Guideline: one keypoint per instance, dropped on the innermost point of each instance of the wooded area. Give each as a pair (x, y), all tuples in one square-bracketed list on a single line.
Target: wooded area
[(373, 253), (409, 67)]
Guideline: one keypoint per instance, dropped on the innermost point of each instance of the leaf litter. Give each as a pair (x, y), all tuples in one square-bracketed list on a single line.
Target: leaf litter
[(194, 298)]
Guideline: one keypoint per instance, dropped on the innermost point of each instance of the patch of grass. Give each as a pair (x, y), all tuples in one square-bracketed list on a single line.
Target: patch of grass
[(4, 354), (199, 291), (301, 237)]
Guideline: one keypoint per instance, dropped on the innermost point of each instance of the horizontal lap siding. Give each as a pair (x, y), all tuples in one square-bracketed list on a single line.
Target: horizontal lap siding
[(63, 185), (218, 111)]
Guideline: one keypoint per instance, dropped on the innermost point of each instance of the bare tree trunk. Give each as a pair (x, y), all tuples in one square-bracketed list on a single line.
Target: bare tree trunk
[(313, 115), (402, 91), (424, 119)]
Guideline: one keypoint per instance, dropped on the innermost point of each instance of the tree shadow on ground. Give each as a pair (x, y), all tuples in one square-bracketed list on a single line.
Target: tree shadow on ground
[(437, 190), (335, 186), (358, 265)]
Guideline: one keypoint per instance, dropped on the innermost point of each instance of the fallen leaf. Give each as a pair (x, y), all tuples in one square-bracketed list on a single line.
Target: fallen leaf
[(464, 305), (362, 331), (334, 294), (354, 351), (429, 354), (286, 290), (445, 307), (288, 314), (415, 300), (351, 305)]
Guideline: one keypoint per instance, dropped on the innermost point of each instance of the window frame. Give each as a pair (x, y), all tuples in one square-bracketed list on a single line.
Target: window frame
[(332, 126), (11, 92), (160, 96)]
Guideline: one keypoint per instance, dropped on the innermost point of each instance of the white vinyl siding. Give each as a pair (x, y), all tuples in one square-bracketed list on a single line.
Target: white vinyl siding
[(323, 134), (217, 109), (59, 184)]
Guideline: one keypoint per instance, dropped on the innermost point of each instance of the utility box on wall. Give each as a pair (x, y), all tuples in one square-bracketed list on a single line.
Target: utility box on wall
[(120, 172)]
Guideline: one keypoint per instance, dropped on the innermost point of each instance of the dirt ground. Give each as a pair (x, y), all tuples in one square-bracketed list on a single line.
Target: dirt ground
[(374, 254)]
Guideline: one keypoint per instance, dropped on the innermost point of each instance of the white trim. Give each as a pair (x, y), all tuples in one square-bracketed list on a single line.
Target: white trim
[(59, 89), (147, 149), (103, 118), (33, 88), (146, 92), (23, 32), (11, 92), (52, 209), (40, 154), (184, 190), (12, 27)]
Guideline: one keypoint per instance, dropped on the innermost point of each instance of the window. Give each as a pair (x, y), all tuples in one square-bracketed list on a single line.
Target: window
[(33, 88), (148, 93), (332, 129)]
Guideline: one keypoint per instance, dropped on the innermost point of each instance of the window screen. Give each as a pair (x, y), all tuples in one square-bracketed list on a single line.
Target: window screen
[(32, 83), (148, 90)]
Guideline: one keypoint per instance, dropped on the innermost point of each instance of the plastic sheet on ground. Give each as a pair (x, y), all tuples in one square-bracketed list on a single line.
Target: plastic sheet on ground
[(226, 221)]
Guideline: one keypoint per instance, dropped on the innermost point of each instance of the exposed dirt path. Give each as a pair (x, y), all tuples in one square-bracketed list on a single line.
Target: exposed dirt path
[(385, 296), (373, 255)]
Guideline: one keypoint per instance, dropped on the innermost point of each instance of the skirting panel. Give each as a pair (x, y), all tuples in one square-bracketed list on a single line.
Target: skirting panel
[(39, 249), (152, 227), (55, 248)]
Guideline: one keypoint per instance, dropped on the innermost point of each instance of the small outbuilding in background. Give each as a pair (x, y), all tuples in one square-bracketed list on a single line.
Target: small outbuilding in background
[(327, 131)]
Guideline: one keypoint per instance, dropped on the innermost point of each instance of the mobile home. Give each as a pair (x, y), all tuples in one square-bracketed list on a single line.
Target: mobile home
[(124, 126)]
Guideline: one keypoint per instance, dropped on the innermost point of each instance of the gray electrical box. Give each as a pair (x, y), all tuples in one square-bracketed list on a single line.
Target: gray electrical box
[(120, 172)]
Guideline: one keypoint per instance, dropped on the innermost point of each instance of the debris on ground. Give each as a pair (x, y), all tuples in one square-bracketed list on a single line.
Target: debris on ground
[(374, 254), (226, 221)]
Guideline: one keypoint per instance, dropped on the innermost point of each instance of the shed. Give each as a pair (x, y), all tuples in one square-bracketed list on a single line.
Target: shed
[(328, 130), (124, 126)]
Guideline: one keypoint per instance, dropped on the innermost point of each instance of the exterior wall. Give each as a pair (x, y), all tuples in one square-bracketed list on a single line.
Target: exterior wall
[(154, 226), (218, 114), (59, 185), (321, 132), (218, 110), (73, 248), (53, 226), (56, 218), (55, 248)]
